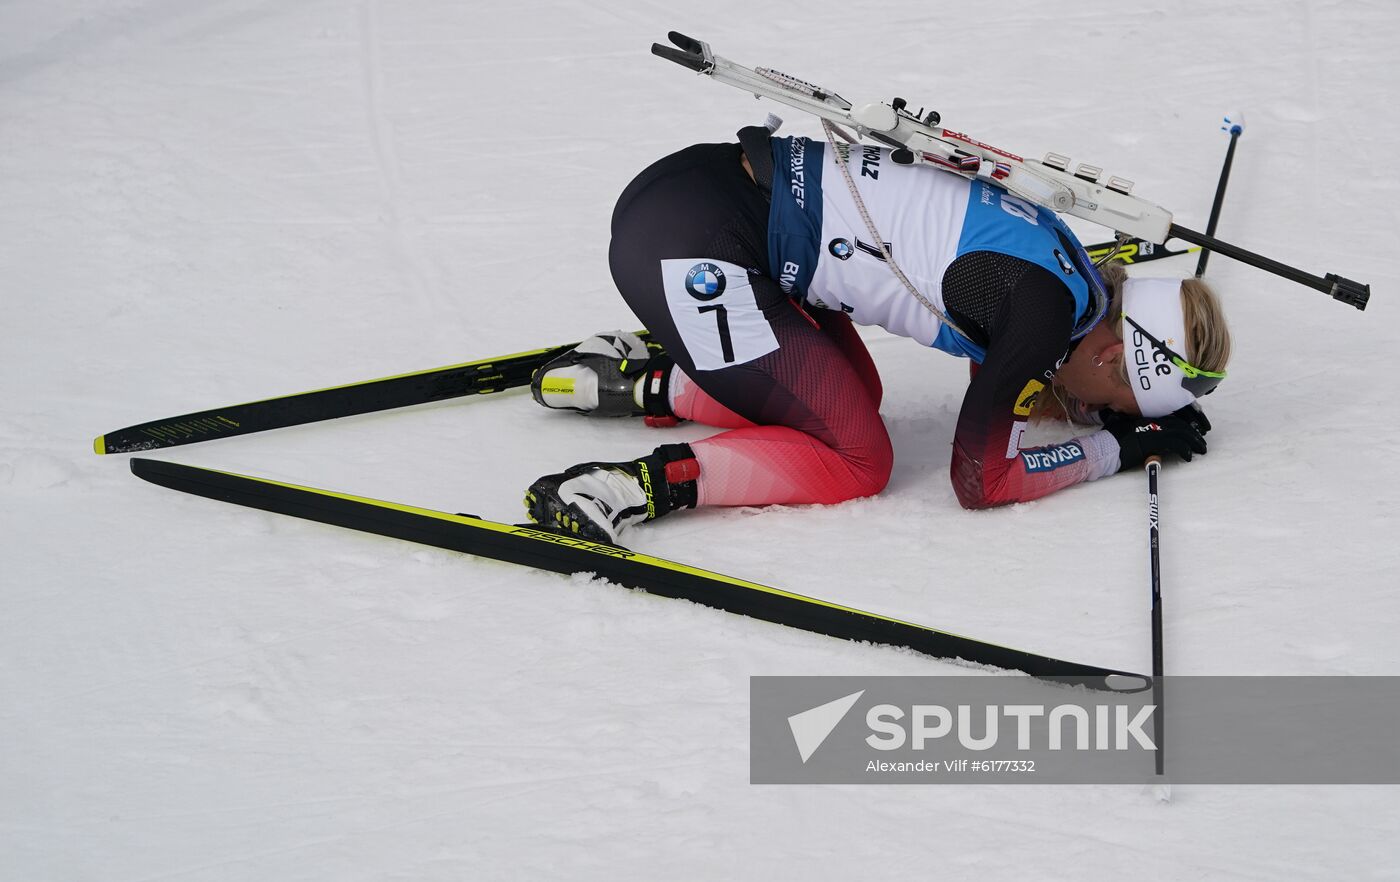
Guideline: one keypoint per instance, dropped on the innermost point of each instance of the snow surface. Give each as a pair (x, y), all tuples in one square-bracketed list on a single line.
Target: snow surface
[(209, 202)]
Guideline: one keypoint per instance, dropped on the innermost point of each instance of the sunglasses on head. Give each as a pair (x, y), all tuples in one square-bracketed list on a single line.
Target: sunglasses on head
[(1193, 379)]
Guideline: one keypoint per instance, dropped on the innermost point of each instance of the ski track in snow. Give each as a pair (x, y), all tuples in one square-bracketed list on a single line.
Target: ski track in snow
[(220, 201)]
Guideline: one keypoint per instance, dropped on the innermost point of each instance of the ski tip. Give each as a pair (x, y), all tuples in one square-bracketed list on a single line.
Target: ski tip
[(99, 445), (1116, 682)]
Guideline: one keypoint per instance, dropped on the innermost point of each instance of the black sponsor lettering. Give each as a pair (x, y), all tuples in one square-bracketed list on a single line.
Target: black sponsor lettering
[(574, 542), (870, 162)]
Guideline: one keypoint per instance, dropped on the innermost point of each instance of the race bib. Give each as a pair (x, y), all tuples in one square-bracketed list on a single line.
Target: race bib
[(716, 313)]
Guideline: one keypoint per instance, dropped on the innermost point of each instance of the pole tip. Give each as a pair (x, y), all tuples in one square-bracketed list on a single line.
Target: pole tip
[(1161, 789)]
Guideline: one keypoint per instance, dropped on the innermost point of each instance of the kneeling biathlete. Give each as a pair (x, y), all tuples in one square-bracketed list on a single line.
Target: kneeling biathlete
[(749, 264)]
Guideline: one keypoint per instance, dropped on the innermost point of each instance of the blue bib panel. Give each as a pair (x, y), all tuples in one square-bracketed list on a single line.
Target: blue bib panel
[(795, 217), (1006, 224), (816, 250)]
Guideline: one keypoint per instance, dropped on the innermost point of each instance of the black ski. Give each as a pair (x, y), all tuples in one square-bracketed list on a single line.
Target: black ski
[(1134, 251), (368, 396), (532, 547)]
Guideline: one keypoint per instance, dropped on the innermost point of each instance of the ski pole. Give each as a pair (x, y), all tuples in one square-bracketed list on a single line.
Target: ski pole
[(1159, 690), (1235, 129), (1154, 469)]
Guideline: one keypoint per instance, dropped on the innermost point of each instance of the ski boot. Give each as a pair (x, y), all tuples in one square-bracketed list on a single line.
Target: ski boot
[(609, 375), (598, 500)]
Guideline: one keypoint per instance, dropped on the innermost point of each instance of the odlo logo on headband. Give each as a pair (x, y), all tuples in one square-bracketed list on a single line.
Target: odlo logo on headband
[(1144, 365)]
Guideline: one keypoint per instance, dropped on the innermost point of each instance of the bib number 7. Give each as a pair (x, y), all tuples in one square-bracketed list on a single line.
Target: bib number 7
[(715, 312), (726, 340)]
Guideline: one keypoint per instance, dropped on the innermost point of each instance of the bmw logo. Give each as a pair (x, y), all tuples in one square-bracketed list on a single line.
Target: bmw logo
[(705, 281), (841, 249)]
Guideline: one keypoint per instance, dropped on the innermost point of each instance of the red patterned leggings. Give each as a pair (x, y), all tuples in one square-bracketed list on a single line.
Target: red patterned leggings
[(799, 393)]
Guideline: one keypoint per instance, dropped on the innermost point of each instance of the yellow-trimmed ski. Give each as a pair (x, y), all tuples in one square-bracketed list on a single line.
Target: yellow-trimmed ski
[(480, 377), (559, 553), (1135, 251)]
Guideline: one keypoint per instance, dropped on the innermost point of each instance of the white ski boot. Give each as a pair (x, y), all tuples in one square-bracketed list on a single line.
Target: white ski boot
[(598, 500), (610, 374)]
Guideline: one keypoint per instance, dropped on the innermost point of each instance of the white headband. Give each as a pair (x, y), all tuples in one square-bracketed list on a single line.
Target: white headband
[(1156, 305)]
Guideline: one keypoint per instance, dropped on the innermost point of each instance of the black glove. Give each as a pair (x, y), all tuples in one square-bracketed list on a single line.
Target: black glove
[(1193, 414), (1181, 432)]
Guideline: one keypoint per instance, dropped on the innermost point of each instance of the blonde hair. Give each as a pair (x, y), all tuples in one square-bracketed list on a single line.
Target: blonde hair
[(1208, 342)]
